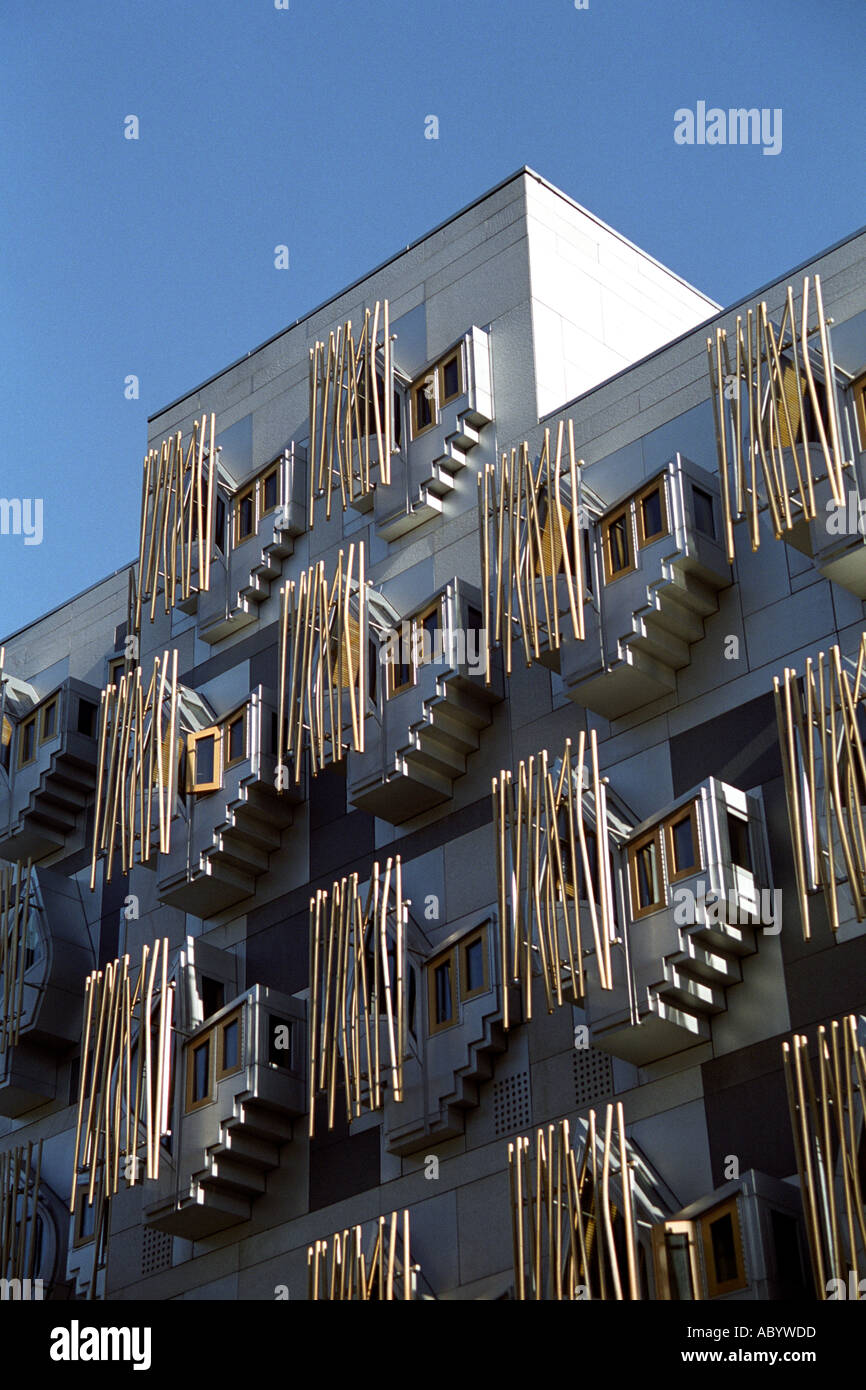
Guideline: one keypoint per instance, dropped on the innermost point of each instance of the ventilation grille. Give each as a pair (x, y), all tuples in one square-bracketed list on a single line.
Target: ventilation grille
[(512, 1110), (155, 1251), (593, 1075)]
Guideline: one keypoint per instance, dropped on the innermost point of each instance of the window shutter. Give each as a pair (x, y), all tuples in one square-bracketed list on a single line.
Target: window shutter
[(789, 392)]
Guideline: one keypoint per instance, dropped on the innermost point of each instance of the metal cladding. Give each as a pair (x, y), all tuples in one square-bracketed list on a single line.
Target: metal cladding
[(16, 884), (351, 400), (178, 499), (541, 856), (125, 1076), (531, 562), (20, 1173), (338, 1270), (825, 779), (826, 1085), (763, 393), (137, 769), (563, 1214), (323, 660), (358, 974)]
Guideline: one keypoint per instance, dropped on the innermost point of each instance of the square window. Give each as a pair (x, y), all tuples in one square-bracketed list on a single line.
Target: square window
[(618, 557), (646, 881), (442, 1001), (48, 727), (424, 404), (473, 972), (235, 740), (27, 741), (702, 504), (269, 489), (450, 385), (682, 843), (245, 515), (652, 513)]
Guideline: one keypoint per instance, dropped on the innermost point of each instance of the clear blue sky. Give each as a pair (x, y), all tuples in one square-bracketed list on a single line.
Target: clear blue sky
[(261, 126)]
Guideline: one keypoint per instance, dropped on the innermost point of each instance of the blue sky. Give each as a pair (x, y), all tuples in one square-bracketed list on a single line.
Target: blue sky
[(305, 127)]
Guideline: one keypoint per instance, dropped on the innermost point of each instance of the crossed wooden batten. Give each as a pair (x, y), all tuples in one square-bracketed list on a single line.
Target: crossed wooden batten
[(825, 1100), (339, 1270), (531, 564), (347, 409), (824, 764), (178, 505), (353, 984), (539, 863), (125, 1077), (763, 397), (137, 764)]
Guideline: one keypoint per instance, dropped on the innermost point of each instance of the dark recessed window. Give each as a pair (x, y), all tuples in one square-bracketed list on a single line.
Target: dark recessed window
[(444, 1006), (86, 722), (702, 503), (473, 966), (48, 728), (738, 835), (724, 1248), (679, 1266), (279, 1041), (27, 742), (245, 515), (220, 525), (423, 405), (213, 995), (617, 539)]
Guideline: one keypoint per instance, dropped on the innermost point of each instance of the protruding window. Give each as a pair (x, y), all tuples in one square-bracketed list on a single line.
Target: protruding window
[(450, 378), (199, 1086), (245, 515), (682, 843), (652, 513), (738, 837), (236, 739), (618, 550), (203, 751), (647, 888), (443, 997), (27, 742)]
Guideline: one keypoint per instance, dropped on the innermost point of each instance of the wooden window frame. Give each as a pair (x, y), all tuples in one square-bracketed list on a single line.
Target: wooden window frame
[(53, 703), (235, 1016), (205, 1039), (80, 1242), (455, 355), (858, 395), (449, 958), (418, 385), (214, 732), (661, 1264), (674, 874), (463, 946), (228, 761), (248, 491), (116, 669), (657, 485), (417, 621), (272, 472), (29, 722), (610, 576), (653, 836), (740, 1281)]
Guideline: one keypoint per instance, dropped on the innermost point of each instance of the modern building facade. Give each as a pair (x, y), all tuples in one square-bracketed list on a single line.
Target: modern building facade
[(436, 867)]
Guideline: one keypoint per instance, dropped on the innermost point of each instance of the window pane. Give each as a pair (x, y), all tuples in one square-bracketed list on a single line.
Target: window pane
[(212, 995), (679, 1273), (683, 845), (27, 736), (201, 1071), (618, 544), (451, 378), (473, 966), (279, 1041), (724, 1249), (423, 408), (49, 720), (443, 992), (245, 515), (205, 753), (270, 491), (231, 1045), (647, 875), (651, 508), (236, 739), (86, 718), (703, 505), (220, 525)]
